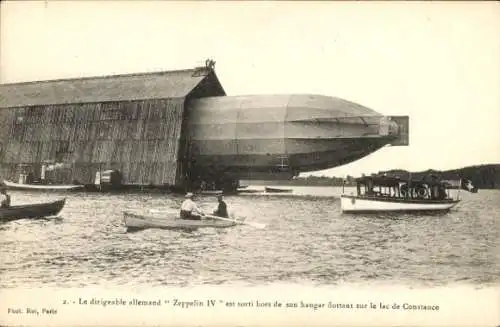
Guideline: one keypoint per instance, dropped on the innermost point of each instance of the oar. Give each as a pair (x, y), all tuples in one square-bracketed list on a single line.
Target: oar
[(256, 225), (161, 211)]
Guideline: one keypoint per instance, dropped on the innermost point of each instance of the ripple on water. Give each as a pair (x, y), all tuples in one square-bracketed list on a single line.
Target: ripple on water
[(307, 239)]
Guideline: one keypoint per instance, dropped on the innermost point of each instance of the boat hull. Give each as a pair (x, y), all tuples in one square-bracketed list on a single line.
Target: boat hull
[(277, 190), (32, 211), (215, 192), (34, 187), (138, 222), (355, 204), (249, 191)]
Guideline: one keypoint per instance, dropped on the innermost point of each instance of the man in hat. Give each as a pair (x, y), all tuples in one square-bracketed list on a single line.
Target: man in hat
[(222, 208), (4, 198), (189, 209)]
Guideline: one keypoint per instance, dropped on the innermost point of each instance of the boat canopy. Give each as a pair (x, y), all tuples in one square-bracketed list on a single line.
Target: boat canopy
[(387, 181), (402, 188)]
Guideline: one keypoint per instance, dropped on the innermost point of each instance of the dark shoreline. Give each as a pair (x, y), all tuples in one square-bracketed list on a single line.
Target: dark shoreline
[(482, 176)]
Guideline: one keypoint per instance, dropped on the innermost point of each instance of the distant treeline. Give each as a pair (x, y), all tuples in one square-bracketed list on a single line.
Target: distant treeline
[(316, 181), (307, 181), (482, 176)]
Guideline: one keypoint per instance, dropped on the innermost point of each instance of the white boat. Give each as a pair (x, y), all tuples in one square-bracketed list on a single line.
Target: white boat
[(389, 194), (353, 203), (211, 192), (172, 222), (41, 187)]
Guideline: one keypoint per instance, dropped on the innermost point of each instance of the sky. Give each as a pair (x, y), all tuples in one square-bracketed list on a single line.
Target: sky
[(437, 62)]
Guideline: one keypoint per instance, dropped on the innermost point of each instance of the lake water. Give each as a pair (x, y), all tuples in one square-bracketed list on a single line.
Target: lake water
[(307, 240)]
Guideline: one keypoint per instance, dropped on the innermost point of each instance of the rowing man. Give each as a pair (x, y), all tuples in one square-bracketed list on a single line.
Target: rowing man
[(189, 209), (222, 208), (4, 198)]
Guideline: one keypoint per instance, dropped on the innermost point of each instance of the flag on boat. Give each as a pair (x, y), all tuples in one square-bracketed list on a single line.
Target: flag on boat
[(466, 184), (463, 184)]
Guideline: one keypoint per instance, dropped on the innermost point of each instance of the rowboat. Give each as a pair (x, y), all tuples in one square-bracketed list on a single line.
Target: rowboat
[(390, 194), (277, 190), (211, 192), (172, 222), (31, 211), (41, 187)]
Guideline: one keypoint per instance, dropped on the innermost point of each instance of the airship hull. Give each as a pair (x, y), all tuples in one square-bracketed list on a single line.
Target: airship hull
[(243, 135)]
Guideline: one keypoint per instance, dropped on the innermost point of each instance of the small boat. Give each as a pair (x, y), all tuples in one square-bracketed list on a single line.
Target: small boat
[(246, 190), (277, 190), (391, 194), (31, 211), (41, 187), (211, 192), (172, 222)]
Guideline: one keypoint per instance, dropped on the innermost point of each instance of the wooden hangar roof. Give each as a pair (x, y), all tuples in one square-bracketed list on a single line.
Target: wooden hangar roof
[(127, 87)]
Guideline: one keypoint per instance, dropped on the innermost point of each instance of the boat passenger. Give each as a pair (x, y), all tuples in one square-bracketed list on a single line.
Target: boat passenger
[(30, 178), (4, 198), (442, 192), (189, 209), (222, 208)]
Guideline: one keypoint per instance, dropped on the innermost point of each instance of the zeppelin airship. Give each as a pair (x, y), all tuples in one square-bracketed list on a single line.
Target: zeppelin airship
[(280, 136)]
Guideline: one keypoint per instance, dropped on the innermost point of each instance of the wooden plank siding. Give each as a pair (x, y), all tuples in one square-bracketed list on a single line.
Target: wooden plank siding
[(140, 138)]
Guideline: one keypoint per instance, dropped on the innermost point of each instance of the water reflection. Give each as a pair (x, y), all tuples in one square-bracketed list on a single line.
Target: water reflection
[(307, 239)]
